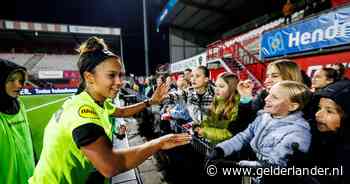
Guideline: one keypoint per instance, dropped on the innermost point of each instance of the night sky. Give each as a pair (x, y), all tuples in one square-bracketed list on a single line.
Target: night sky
[(126, 14)]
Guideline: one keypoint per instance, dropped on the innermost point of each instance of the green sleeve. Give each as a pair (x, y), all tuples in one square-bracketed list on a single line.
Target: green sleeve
[(109, 106)]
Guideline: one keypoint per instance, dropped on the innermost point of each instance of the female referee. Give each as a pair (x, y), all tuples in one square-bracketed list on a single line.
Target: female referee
[(78, 136)]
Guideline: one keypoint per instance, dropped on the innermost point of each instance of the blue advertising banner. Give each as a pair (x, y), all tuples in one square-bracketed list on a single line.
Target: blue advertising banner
[(168, 7), (327, 30), (46, 91)]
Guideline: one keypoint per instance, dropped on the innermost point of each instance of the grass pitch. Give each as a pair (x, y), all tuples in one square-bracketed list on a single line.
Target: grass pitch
[(39, 109)]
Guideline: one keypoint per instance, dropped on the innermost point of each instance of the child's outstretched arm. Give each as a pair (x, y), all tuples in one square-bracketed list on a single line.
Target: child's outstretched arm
[(238, 141)]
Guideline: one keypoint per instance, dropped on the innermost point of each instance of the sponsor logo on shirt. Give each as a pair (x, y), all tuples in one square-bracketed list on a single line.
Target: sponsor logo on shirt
[(86, 111)]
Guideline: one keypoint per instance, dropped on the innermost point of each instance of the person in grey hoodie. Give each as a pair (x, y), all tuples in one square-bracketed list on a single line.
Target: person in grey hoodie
[(278, 126)]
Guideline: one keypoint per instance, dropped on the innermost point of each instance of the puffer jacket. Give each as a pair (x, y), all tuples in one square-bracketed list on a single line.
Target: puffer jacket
[(271, 138)]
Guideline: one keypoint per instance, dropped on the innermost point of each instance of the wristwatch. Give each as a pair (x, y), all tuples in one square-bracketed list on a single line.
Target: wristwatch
[(147, 102)]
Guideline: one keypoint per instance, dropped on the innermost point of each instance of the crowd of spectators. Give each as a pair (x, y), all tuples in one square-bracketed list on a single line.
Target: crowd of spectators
[(289, 122)]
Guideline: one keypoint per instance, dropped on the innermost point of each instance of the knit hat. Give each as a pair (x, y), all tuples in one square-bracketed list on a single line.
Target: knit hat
[(339, 92)]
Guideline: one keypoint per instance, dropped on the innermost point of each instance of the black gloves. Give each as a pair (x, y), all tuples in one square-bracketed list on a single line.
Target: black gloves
[(217, 153)]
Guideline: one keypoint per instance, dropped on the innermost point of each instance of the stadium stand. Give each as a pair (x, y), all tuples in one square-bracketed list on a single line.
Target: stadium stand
[(43, 62), (56, 62), (20, 59), (33, 61)]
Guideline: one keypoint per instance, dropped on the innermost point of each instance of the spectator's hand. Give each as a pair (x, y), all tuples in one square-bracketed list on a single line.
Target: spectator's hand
[(200, 132), (245, 88), (196, 128), (187, 125), (172, 110), (165, 116), (160, 94), (121, 132), (173, 140), (122, 129), (167, 110)]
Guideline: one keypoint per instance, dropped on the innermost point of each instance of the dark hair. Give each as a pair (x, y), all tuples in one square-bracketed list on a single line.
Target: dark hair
[(152, 81), (166, 75), (339, 92), (181, 73), (188, 70), (341, 70), (92, 52), (306, 79), (162, 77), (204, 70), (331, 74)]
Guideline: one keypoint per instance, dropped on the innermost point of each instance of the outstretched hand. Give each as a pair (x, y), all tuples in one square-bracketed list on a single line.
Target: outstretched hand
[(245, 88), (173, 140), (160, 94), (198, 131)]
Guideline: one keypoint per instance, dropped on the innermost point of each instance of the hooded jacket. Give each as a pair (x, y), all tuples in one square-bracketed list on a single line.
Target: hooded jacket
[(332, 149), (9, 105), (16, 156), (271, 138)]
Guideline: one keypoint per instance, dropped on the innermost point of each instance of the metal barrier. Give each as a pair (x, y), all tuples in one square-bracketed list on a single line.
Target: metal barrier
[(130, 99), (199, 144)]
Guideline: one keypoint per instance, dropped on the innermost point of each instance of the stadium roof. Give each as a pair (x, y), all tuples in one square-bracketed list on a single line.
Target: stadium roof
[(213, 17)]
